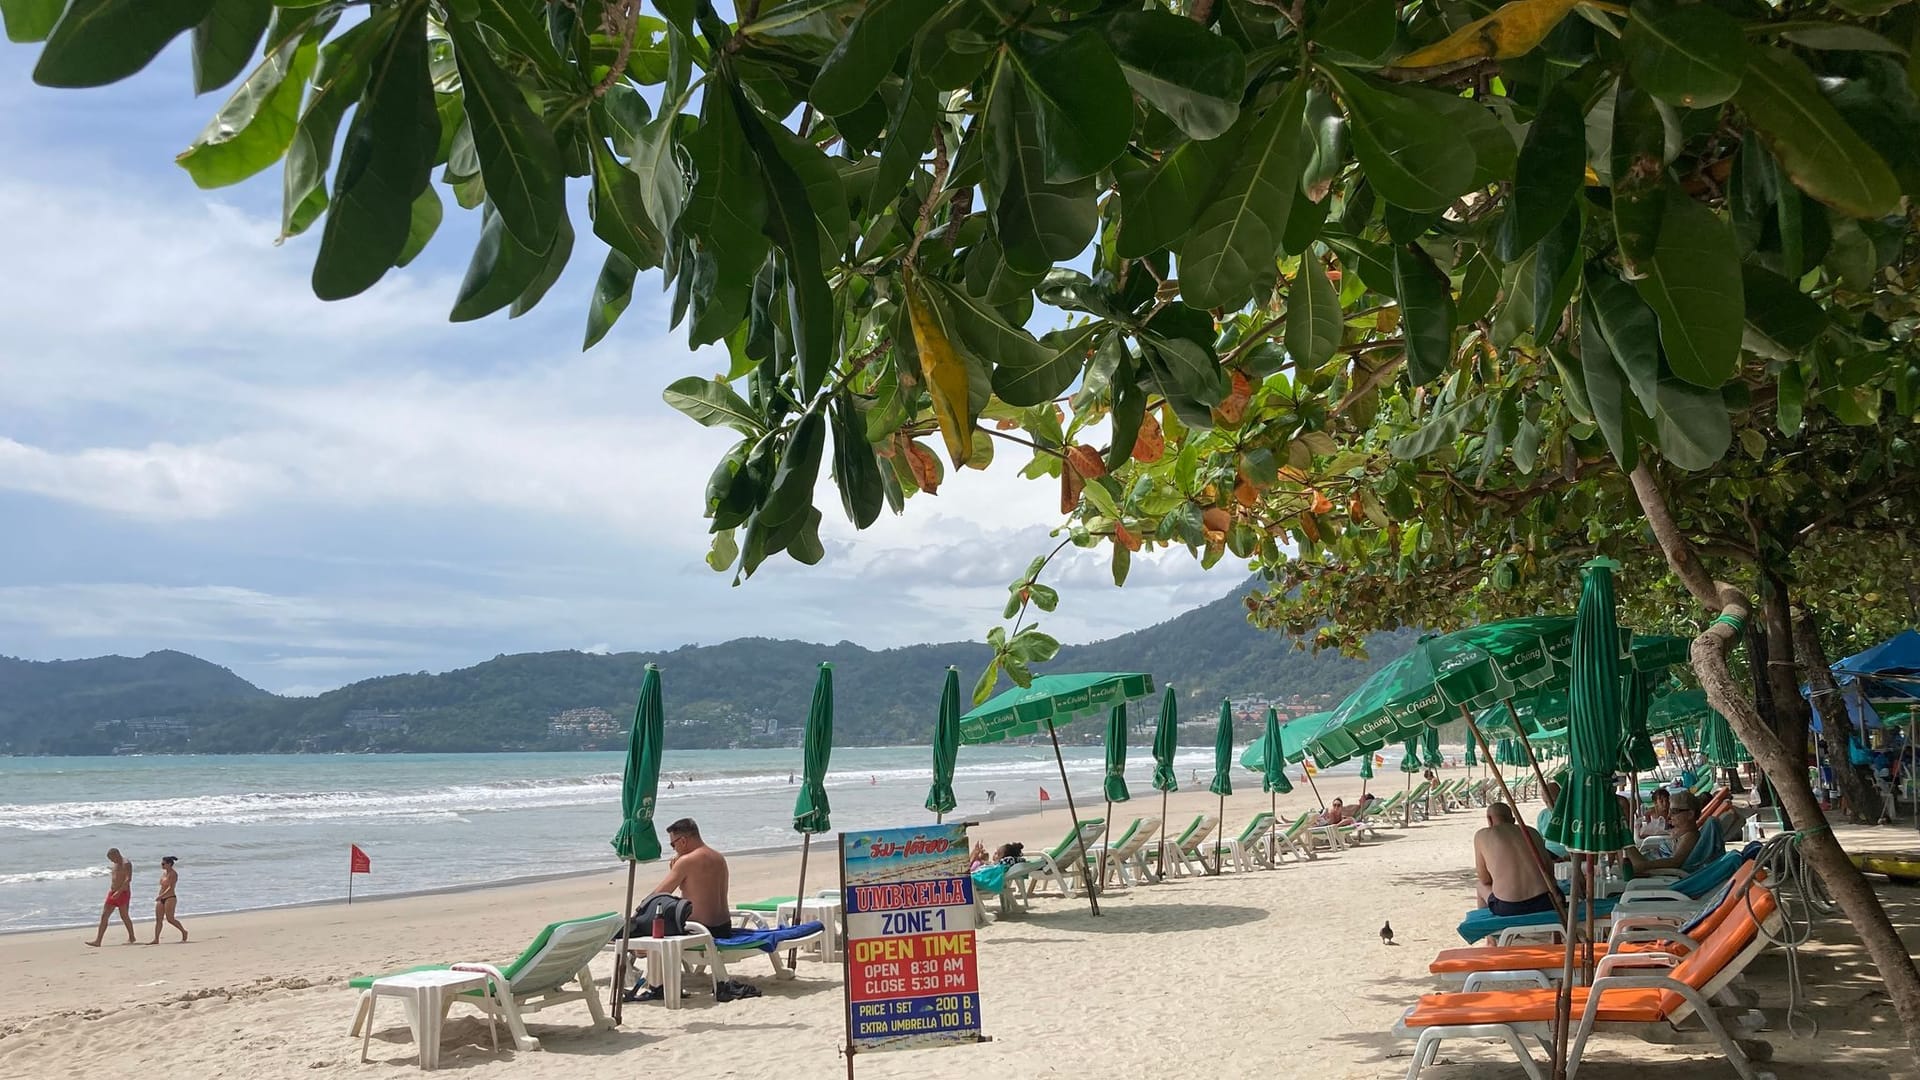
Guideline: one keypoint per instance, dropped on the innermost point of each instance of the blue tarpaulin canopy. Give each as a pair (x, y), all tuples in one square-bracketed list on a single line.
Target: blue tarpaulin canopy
[(1888, 671)]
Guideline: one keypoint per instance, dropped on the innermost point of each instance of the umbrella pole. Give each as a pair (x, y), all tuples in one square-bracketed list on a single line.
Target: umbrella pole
[(1273, 811), (1407, 818), (1527, 746), (1222, 831), (1315, 788), (1106, 842), (1539, 857), (1162, 874), (800, 894), (1093, 902), (1563, 996), (626, 935)]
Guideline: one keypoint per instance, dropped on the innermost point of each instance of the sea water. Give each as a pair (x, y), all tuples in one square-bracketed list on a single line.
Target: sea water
[(270, 830)]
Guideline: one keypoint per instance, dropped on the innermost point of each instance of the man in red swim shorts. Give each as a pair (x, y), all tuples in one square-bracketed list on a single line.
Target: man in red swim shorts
[(119, 896)]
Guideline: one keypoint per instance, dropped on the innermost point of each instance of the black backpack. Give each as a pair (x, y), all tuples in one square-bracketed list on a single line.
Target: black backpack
[(675, 911)]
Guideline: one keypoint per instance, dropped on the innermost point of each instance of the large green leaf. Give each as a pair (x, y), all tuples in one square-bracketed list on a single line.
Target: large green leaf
[(426, 217), (224, 41), (611, 295), (502, 274), (1314, 319), (1690, 55), (256, 125), (1549, 175), (1229, 253), (338, 82), (1632, 332), (1782, 321), (1158, 205), (619, 210), (1693, 285), (1361, 28), (1691, 426), (1036, 222), (1821, 154), (1605, 389), (386, 160), (1426, 312), (713, 403), (865, 54), (1186, 376), (726, 210), (519, 159), (1638, 167), (30, 20), (1556, 270), (791, 495), (1411, 155), (663, 187), (1193, 75), (855, 469), (97, 42), (794, 229), (1082, 110)]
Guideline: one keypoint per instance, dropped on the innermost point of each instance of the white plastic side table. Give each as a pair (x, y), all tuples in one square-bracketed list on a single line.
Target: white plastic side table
[(827, 909), (427, 995)]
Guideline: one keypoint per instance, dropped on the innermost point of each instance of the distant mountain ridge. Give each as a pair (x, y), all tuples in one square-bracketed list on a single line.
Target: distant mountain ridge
[(748, 691)]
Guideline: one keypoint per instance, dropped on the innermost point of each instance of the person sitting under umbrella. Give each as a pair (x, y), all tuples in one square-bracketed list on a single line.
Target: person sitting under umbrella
[(1683, 821), (698, 874), (1504, 860)]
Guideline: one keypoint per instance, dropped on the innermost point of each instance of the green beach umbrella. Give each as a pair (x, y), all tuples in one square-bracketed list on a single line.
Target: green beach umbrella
[(1297, 737), (1718, 742), (1588, 818), (1166, 742), (1043, 705), (1273, 760), (1677, 710), (1116, 781), (1366, 771), (1472, 760), (810, 811), (1410, 761), (636, 842), (1222, 768), (1430, 748), (946, 747), (1636, 749)]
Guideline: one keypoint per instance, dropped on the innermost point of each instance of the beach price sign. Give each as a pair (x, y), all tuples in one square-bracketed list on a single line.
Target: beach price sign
[(913, 977)]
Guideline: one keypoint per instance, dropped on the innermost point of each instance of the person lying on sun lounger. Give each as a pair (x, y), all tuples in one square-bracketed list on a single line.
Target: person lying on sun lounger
[(1683, 818), (699, 874), (1510, 880), (1332, 815)]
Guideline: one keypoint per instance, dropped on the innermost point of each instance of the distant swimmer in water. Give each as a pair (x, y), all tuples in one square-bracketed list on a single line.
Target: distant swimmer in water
[(991, 794), (789, 778), (872, 779)]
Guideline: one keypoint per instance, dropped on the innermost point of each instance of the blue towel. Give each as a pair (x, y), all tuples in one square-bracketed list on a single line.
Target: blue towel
[(1707, 848), (769, 940), (990, 879), (1480, 923)]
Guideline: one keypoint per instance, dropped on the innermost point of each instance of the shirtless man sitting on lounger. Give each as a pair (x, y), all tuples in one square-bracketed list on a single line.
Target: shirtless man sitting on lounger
[(1510, 880), (699, 874)]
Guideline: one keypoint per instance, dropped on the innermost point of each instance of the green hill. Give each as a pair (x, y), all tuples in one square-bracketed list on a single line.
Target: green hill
[(749, 691)]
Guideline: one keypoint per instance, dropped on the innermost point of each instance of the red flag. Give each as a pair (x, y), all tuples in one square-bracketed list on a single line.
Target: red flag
[(360, 863), (1044, 797)]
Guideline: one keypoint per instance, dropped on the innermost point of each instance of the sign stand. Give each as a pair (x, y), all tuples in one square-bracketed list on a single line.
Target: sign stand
[(909, 967)]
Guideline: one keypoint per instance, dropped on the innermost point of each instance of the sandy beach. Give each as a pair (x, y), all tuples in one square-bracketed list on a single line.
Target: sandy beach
[(1268, 974)]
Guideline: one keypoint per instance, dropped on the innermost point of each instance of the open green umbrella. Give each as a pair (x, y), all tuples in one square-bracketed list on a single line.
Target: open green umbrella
[(1115, 784), (1721, 746), (946, 747), (1586, 817), (1166, 742), (1222, 767), (636, 842), (1677, 710), (1044, 704), (810, 810)]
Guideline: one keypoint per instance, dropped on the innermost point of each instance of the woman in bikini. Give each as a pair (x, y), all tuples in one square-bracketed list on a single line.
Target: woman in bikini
[(165, 902)]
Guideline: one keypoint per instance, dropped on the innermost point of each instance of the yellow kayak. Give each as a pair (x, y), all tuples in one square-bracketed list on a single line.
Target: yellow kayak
[(1900, 867)]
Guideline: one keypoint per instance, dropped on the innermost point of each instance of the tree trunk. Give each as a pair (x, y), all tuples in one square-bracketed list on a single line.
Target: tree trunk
[(1863, 799), (1757, 653), (1784, 764), (1790, 713)]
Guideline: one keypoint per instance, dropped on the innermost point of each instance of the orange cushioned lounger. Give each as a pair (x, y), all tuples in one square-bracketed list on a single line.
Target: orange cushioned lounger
[(1676, 994), (1550, 958)]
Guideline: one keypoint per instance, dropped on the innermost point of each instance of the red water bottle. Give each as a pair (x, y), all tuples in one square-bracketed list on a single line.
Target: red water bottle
[(659, 926)]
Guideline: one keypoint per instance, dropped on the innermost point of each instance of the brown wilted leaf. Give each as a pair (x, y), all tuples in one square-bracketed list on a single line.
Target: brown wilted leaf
[(1086, 461), (1215, 520), (1321, 504), (1124, 538), (1245, 493), (1388, 320), (926, 467), (1070, 484), (1005, 425), (1151, 443), (1233, 409), (1310, 527)]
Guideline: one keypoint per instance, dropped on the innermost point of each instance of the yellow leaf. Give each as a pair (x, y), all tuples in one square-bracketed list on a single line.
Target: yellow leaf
[(1513, 29), (946, 375)]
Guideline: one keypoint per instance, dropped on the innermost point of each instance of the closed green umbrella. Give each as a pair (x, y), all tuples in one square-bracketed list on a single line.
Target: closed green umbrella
[(1044, 704), (1636, 749), (1720, 745), (1430, 748), (1222, 767), (810, 810), (1273, 772), (1166, 742), (1366, 771), (1586, 817), (1471, 759), (1115, 783), (1409, 765), (946, 747), (636, 842)]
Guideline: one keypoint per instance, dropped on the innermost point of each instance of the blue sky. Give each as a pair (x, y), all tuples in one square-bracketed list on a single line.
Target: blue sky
[(197, 454)]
